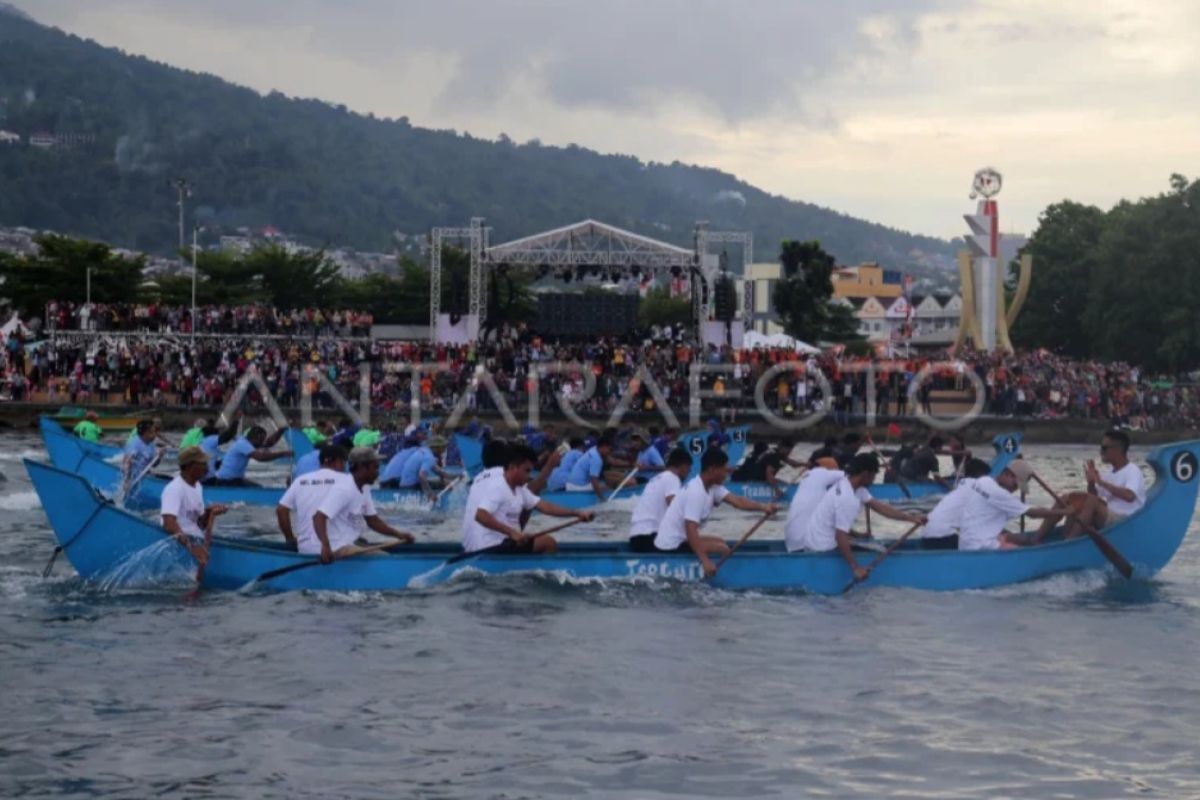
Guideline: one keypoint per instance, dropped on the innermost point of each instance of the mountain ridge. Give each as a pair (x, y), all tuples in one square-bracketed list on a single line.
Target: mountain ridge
[(124, 125)]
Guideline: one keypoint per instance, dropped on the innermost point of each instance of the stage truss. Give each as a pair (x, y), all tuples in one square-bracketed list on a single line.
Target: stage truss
[(587, 244)]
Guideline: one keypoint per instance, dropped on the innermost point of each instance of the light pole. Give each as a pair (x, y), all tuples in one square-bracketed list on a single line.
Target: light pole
[(185, 190), (195, 239), (89, 287)]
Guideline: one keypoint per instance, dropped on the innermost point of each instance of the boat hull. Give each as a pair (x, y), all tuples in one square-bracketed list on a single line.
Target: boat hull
[(97, 536)]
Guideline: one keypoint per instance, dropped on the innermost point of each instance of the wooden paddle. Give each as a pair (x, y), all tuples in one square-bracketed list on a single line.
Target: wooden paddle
[(882, 556), (900, 481), (496, 547), (316, 561), (621, 485), (1103, 545), (447, 488), (742, 541)]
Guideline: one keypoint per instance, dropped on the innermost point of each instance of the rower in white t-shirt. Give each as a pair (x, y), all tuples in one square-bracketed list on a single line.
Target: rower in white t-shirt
[(679, 530), (184, 515), (812, 487), (304, 496), (945, 520), (832, 522), (1111, 496), (345, 505), (495, 506), (656, 497), (991, 504)]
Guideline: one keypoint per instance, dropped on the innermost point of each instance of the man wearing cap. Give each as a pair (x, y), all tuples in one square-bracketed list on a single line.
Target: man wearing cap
[(421, 469), (182, 506), (990, 504), (338, 503), (87, 429)]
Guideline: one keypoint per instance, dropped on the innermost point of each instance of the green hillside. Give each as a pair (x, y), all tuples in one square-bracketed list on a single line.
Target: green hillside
[(315, 170)]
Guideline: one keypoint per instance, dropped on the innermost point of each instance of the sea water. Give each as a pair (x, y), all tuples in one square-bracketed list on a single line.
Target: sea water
[(1078, 686)]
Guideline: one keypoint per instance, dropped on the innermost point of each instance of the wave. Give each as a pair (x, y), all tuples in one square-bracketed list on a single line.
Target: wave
[(20, 501)]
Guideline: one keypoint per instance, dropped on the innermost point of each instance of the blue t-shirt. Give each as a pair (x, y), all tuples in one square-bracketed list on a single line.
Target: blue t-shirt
[(212, 448), (395, 467), (559, 475), (650, 457), (662, 444), (309, 462), (591, 465), (421, 459), (142, 456), (233, 465)]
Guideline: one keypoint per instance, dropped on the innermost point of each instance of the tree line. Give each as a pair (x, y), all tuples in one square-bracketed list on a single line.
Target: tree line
[(1122, 284)]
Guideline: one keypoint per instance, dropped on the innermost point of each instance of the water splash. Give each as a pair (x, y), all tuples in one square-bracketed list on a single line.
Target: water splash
[(163, 564), (20, 501)]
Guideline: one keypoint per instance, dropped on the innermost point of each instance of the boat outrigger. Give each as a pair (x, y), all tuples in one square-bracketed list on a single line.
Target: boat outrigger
[(98, 537)]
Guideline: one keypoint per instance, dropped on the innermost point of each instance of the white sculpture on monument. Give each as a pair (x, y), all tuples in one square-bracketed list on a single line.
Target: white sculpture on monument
[(986, 317)]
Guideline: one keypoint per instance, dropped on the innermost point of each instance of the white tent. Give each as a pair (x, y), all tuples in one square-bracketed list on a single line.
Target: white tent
[(14, 324), (754, 339)]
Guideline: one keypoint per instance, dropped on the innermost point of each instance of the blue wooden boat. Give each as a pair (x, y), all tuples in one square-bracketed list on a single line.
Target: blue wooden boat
[(98, 449), (98, 538), (67, 452)]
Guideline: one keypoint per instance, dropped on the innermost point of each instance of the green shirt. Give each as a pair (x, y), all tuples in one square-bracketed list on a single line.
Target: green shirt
[(88, 431), (315, 436), (192, 438), (367, 438)]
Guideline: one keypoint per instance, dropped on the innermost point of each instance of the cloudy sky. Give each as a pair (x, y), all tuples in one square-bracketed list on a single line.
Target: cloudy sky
[(880, 108)]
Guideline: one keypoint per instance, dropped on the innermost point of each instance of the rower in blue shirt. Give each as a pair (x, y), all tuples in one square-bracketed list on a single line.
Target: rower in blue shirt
[(140, 456), (588, 472), (559, 475), (394, 470), (421, 470), (254, 445), (649, 461)]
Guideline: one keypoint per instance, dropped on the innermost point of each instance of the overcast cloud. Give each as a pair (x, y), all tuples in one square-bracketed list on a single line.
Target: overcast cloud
[(880, 108)]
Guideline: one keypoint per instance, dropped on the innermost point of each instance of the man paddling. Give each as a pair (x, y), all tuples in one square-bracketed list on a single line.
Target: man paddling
[(140, 456), (990, 505), (679, 531), (330, 505), (87, 429), (946, 518), (832, 523), (493, 520), (823, 474), (588, 472), (1111, 495), (184, 515), (656, 498), (422, 470), (254, 445)]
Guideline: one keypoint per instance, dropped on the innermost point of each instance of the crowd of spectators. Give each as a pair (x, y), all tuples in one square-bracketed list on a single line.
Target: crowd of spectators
[(178, 371), (237, 320)]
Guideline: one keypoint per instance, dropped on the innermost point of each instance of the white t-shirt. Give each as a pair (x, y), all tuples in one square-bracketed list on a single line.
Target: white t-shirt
[(837, 511), (476, 491), (501, 501), (694, 503), (652, 503), (988, 507), (186, 504), (809, 491), (1127, 477), (946, 517), (303, 498), (344, 505)]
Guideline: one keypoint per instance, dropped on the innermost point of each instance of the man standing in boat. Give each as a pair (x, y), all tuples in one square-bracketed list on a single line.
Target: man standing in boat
[(832, 522), (182, 506), (256, 445), (656, 498), (1111, 495), (496, 503), (330, 505), (679, 531)]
